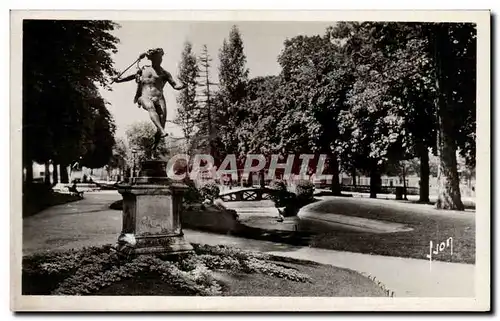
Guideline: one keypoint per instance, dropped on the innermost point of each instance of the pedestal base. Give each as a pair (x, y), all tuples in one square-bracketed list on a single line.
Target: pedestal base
[(162, 244), (151, 213)]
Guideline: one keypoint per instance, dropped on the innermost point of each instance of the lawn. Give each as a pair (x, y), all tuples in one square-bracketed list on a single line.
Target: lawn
[(327, 281), (428, 225)]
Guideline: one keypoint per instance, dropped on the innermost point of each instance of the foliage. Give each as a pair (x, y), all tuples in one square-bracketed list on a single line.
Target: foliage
[(207, 134), (458, 71), (233, 259), (304, 190), (192, 194), (64, 116), (209, 191), (399, 89), (367, 94), (229, 101), (280, 195), (100, 140), (188, 109), (452, 48), (233, 75), (86, 271), (392, 96), (140, 137), (119, 154), (196, 113), (257, 131), (278, 184), (315, 81)]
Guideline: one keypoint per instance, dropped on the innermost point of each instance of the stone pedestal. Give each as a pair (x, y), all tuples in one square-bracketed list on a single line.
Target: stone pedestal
[(151, 212)]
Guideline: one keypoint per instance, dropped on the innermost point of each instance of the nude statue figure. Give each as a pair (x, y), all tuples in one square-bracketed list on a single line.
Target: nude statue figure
[(149, 95)]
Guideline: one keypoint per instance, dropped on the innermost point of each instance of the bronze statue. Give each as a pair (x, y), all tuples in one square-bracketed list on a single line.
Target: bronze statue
[(149, 95)]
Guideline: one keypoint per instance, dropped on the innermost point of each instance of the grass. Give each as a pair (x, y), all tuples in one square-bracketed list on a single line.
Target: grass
[(428, 225), (211, 270), (327, 281)]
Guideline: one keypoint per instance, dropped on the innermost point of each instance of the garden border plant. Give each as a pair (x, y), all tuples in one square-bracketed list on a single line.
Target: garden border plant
[(86, 271)]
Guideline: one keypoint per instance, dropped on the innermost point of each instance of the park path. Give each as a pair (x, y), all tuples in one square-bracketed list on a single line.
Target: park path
[(89, 222)]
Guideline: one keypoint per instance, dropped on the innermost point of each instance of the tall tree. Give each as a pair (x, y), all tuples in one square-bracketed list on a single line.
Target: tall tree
[(120, 155), (402, 82), (188, 113), (206, 101), (60, 85), (453, 49), (99, 138), (233, 79), (390, 117), (316, 80)]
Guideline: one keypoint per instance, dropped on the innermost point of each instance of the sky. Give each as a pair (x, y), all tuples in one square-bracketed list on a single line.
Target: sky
[(263, 42)]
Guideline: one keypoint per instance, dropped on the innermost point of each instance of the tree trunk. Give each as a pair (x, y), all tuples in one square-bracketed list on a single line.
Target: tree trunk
[(55, 174), (335, 186), (250, 180), (424, 176), (374, 182), (240, 178), (353, 173), (262, 180), (404, 181), (29, 172), (47, 174), (64, 173), (448, 182)]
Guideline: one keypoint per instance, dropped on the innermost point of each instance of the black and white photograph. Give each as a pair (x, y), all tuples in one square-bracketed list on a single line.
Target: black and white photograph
[(269, 160)]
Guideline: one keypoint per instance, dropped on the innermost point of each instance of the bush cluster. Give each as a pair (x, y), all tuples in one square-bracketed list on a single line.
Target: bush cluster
[(210, 191), (304, 190), (280, 195), (192, 194)]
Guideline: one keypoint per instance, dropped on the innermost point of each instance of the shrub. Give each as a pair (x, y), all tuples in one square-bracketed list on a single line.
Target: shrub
[(209, 191), (192, 194), (87, 271), (280, 196), (278, 184), (304, 190)]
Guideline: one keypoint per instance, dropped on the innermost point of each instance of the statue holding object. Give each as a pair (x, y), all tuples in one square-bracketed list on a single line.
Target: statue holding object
[(151, 79)]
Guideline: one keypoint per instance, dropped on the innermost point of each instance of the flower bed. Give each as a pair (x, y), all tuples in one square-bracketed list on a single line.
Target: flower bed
[(86, 271)]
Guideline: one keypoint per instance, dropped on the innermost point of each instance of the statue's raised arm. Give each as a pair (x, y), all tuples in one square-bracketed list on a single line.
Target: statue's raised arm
[(151, 80)]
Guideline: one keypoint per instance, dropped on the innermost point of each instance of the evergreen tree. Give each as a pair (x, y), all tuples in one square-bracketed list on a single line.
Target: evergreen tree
[(233, 80), (188, 113), (206, 100)]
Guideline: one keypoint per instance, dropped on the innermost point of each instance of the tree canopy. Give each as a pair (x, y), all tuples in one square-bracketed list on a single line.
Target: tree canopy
[(373, 96), (64, 116)]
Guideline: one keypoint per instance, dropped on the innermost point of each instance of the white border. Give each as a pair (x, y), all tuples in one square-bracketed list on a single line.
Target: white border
[(481, 302)]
